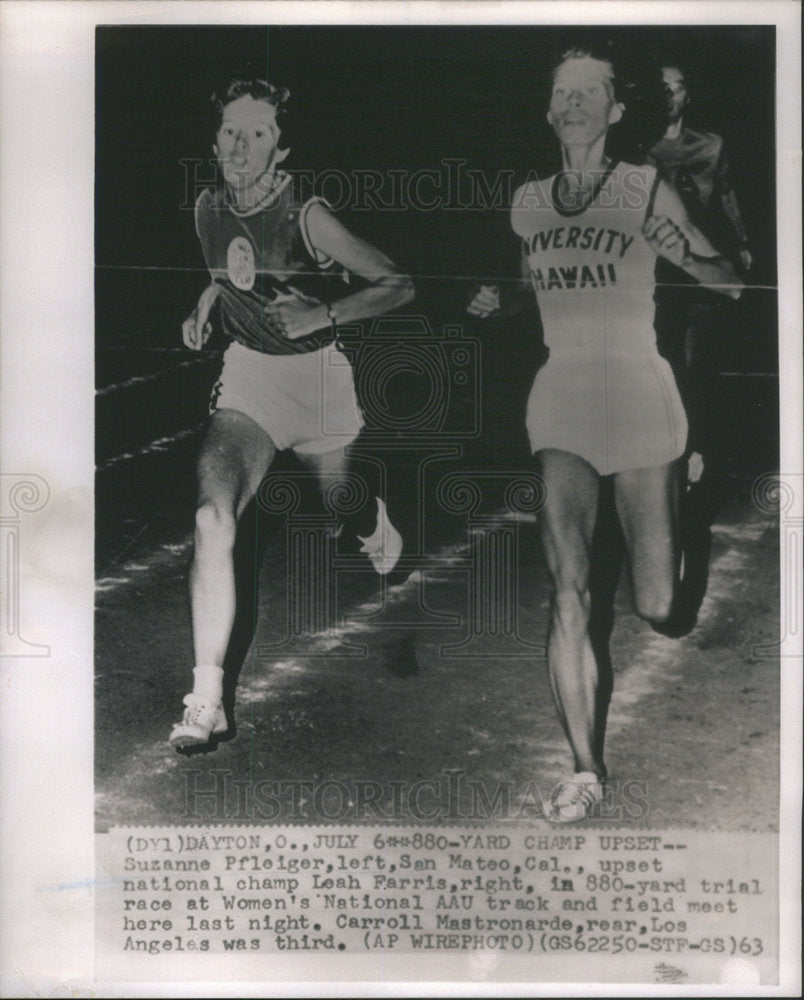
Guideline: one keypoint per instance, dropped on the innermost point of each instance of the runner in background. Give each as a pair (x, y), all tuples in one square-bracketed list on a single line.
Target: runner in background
[(277, 269), (690, 320), (605, 403)]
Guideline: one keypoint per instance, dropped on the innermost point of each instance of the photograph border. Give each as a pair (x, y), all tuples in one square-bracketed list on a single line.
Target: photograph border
[(47, 90)]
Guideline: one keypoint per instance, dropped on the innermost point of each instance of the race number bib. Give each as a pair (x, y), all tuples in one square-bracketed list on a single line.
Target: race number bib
[(240, 263)]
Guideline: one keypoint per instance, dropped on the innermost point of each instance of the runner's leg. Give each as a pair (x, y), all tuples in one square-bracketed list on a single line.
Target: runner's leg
[(567, 525), (234, 457), (701, 344), (647, 504), (383, 544), (330, 466)]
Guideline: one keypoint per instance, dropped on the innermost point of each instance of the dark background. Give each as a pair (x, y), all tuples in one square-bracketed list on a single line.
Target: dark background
[(384, 99), (396, 98)]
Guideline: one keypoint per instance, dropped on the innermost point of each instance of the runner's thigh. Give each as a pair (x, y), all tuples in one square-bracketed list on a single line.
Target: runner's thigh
[(647, 502), (331, 467), (234, 457)]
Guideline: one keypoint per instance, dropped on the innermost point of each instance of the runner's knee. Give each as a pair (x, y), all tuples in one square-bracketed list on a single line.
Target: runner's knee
[(571, 604), (654, 605), (215, 525)]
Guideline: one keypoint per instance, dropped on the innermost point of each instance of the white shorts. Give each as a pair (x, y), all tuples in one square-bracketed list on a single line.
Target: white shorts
[(305, 402), (618, 413)]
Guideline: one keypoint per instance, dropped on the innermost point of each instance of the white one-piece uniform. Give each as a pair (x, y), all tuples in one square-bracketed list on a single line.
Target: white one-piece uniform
[(605, 393)]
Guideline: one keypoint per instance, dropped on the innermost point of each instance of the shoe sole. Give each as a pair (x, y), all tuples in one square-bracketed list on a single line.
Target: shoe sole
[(554, 816), (182, 740)]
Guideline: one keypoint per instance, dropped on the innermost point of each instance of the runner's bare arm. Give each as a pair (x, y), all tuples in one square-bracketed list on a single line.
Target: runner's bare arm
[(728, 199), (671, 235), (196, 329), (388, 289)]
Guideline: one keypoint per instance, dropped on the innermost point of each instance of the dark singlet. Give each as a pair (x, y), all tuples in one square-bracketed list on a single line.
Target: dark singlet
[(255, 257)]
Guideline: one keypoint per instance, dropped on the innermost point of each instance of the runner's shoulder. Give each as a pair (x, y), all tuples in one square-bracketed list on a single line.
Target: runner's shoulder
[(702, 140), (210, 198)]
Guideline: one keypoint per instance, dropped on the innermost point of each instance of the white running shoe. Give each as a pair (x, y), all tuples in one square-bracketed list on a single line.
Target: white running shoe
[(384, 546), (574, 798), (202, 719)]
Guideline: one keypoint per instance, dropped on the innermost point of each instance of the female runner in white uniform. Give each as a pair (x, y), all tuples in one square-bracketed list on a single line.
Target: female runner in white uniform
[(605, 394), (605, 402)]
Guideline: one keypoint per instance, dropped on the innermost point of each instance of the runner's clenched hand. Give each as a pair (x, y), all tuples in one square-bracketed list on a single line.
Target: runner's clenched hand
[(196, 329), (288, 316)]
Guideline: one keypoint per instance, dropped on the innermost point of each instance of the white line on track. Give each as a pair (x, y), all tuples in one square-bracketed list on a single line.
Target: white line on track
[(127, 573), (153, 447), (142, 379)]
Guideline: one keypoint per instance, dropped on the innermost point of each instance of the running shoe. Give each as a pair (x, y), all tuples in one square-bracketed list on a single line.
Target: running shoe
[(574, 798), (384, 546), (202, 719)]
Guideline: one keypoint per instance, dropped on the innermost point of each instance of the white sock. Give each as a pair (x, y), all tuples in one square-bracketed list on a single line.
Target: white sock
[(208, 683)]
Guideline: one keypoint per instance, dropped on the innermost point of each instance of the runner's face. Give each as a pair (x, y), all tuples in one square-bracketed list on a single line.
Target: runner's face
[(675, 92), (247, 140), (582, 105)]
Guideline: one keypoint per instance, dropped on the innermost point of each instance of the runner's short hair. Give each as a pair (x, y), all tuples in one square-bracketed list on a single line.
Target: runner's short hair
[(249, 83), (665, 59), (604, 51)]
